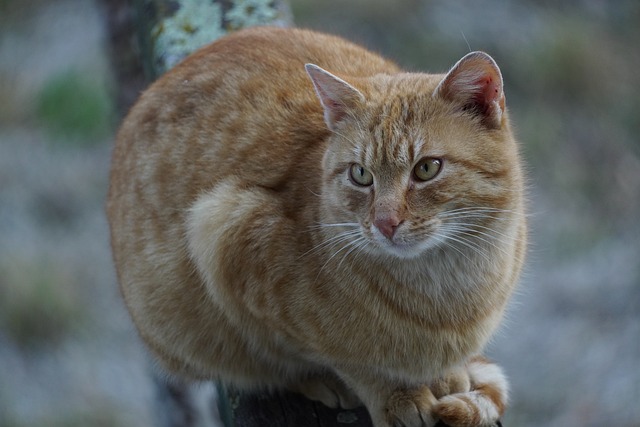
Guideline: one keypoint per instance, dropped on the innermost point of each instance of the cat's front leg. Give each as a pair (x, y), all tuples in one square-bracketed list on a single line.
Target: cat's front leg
[(392, 404)]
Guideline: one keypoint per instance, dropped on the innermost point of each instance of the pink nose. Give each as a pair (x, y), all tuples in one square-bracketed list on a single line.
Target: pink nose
[(387, 226)]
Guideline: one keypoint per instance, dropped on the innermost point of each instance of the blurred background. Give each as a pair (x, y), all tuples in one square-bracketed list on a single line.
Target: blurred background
[(571, 344)]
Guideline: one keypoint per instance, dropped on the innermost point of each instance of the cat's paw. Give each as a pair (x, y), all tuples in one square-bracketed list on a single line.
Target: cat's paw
[(456, 381), (482, 404), (329, 390), (411, 408), (470, 409)]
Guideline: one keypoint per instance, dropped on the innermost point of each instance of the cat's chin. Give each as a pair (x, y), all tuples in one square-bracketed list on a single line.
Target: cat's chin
[(406, 250)]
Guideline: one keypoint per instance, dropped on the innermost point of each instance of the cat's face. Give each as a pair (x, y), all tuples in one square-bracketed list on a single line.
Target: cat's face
[(408, 169), (416, 185)]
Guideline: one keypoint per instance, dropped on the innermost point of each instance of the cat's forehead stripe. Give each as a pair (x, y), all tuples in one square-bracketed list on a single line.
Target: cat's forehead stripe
[(393, 138)]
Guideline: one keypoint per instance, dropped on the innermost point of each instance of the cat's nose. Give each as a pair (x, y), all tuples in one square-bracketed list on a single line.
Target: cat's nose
[(387, 225)]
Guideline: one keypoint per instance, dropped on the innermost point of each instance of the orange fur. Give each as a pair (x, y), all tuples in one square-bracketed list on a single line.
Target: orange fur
[(246, 253)]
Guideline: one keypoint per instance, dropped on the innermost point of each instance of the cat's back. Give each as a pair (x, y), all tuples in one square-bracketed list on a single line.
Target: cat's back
[(244, 99)]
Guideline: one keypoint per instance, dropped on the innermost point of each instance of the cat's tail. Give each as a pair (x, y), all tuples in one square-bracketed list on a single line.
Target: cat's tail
[(483, 405)]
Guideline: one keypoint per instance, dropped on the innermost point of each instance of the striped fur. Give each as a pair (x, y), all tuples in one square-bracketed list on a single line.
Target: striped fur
[(247, 252)]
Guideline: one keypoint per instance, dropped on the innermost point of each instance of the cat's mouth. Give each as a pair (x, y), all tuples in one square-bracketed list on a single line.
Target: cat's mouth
[(401, 250), (408, 250), (403, 246)]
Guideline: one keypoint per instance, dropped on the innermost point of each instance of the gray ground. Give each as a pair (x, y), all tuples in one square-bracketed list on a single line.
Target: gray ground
[(68, 354)]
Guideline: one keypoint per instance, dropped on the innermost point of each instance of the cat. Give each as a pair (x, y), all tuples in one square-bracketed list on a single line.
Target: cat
[(291, 211)]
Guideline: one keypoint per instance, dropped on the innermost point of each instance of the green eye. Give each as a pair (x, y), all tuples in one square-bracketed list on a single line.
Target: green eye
[(360, 176), (427, 169)]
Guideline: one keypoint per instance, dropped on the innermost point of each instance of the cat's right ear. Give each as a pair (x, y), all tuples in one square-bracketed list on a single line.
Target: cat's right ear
[(336, 96)]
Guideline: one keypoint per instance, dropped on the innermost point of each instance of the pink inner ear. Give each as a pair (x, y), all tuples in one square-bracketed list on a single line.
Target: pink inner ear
[(491, 89), (335, 106), (334, 110), (488, 92)]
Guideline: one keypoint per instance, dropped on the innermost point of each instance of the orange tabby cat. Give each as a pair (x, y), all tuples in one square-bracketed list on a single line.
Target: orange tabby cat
[(351, 232)]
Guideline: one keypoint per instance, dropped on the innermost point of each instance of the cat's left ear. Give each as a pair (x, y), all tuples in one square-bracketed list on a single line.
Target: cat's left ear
[(475, 83), (336, 96)]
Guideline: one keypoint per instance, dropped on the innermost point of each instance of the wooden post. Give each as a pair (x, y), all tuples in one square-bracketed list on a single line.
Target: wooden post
[(284, 409)]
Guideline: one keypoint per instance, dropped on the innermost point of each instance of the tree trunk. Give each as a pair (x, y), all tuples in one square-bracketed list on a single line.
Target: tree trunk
[(148, 37)]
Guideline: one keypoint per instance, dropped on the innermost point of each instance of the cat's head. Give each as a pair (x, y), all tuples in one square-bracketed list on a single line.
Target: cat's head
[(417, 160)]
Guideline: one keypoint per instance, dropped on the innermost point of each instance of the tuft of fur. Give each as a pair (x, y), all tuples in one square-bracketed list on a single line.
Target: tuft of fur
[(289, 210)]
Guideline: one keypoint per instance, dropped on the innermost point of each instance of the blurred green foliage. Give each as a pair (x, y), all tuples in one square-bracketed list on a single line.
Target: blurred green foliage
[(96, 417), (39, 303), (74, 108), (4, 5)]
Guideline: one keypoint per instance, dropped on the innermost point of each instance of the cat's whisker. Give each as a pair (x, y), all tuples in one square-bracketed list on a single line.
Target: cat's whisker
[(491, 233), (333, 245), (486, 234), (337, 252), (472, 233), (474, 208), (489, 213), (481, 215), (441, 238), (334, 240), (356, 245), (477, 228), (461, 239), (313, 192), (479, 250), (475, 211), (337, 224), (470, 214)]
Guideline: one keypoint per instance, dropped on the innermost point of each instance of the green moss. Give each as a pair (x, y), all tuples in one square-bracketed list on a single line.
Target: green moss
[(195, 24), (98, 417), (38, 306), (74, 108), (191, 27), (248, 13)]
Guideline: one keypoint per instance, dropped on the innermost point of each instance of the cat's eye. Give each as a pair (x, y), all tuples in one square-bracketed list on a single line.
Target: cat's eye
[(360, 176), (427, 169)]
